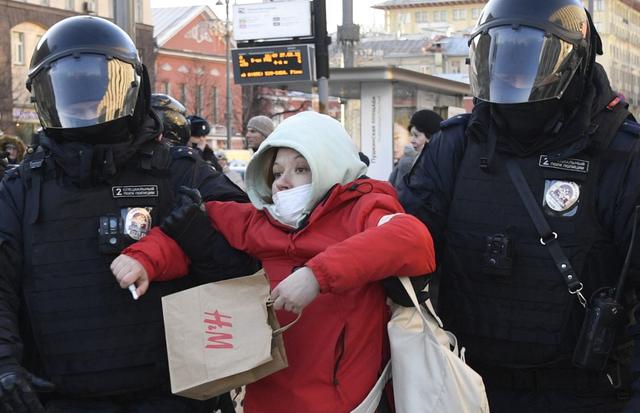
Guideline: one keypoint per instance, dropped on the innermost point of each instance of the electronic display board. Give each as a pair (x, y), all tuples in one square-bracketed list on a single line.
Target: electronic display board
[(274, 64), (269, 20)]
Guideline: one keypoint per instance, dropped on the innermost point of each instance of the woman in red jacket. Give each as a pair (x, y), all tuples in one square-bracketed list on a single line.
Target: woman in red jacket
[(314, 224)]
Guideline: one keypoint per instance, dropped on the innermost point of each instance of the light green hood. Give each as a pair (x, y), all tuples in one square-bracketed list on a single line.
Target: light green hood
[(325, 144)]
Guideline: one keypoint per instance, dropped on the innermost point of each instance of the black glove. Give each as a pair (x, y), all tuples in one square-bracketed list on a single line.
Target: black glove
[(394, 289), (18, 390), (187, 218), (212, 258)]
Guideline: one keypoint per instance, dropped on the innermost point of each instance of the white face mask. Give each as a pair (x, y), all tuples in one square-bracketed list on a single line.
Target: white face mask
[(288, 205)]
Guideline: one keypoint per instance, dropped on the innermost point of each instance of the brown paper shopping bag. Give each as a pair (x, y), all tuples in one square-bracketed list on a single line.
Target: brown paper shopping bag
[(221, 336)]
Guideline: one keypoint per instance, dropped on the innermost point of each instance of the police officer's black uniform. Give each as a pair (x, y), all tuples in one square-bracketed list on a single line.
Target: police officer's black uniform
[(98, 181), (501, 290)]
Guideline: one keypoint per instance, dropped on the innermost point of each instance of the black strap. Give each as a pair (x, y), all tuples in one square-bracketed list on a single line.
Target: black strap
[(548, 238)]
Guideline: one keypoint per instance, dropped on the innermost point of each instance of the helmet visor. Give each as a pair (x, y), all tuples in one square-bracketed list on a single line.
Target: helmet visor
[(519, 65), (85, 90)]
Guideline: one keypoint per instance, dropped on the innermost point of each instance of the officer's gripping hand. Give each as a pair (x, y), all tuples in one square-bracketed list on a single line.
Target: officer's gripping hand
[(188, 223), (186, 215), (18, 390), (128, 271), (296, 291)]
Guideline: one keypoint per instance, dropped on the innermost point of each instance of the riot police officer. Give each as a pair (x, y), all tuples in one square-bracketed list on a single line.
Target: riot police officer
[(530, 199), (176, 126), (97, 181)]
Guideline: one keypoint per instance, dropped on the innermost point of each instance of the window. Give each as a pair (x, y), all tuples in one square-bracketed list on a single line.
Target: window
[(460, 14), (199, 102), (166, 88), (44, 2), (214, 104), (18, 48), (440, 16), (183, 93), (422, 17), (475, 13), (139, 13), (598, 5), (404, 18), (71, 5), (90, 6)]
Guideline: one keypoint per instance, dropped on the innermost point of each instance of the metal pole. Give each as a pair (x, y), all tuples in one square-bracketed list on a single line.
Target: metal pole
[(322, 41), (124, 16), (229, 114), (348, 33)]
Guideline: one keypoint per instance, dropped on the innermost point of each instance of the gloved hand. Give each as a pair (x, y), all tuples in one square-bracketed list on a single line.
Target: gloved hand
[(18, 390), (296, 291), (186, 215), (212, 258)]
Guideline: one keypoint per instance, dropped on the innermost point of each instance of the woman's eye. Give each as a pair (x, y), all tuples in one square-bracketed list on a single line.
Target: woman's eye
[(301, 170), (277, 175)]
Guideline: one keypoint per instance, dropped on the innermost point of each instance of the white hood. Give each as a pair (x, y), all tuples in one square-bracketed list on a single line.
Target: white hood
[(325, 144)]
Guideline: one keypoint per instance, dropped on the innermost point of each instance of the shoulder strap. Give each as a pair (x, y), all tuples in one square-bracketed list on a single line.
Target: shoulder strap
[(548, 238), (32, 170), (607, 123), (154, 156)]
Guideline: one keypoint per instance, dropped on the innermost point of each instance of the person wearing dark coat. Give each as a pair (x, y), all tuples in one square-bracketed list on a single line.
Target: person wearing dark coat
[(532, 200), (98, 179), (424, 124), (199, 130)]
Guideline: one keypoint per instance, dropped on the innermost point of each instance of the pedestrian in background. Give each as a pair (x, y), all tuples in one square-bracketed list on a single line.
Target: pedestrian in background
[(403, 166), (326, 236), (199, 131), (423, 125), (258, 129), (530, 199), (14, 147)]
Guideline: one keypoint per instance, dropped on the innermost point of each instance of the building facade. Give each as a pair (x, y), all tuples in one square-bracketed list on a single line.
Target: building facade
[(22, 23), (191, 67), (617, 21)]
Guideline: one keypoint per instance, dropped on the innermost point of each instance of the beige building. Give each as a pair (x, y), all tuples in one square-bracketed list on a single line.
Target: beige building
[(23, 23), (618, 22)]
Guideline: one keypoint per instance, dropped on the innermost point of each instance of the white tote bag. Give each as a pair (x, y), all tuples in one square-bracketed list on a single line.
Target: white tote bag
[(428, 370)]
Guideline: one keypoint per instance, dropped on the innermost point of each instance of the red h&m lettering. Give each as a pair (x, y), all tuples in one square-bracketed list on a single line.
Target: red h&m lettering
[(214, 321)]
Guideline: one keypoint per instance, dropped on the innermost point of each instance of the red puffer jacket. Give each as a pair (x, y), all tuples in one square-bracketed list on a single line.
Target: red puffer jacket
[(338, 347)]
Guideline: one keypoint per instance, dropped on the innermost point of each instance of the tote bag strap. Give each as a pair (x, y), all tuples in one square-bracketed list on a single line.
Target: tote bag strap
[(288, 326), (453, 341)]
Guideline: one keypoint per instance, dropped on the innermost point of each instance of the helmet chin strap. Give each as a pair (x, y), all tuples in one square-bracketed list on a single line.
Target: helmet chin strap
[(143, 103)]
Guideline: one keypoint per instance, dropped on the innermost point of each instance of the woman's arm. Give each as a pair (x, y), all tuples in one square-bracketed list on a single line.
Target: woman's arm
[(401, 245)]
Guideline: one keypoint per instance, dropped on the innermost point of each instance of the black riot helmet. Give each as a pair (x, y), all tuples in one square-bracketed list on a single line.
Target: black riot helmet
[(526, 51), (173, 114), (87, 81), (199, 126)]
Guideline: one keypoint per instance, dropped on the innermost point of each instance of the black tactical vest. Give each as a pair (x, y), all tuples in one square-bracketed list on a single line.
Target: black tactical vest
[(91, 337), (522, 316)]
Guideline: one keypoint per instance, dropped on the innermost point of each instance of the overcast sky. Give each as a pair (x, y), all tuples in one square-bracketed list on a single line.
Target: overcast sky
[(363, 14)]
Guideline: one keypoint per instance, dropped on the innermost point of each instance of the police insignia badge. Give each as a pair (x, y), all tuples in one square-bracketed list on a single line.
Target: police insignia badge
[(561, 196), (137, 222)]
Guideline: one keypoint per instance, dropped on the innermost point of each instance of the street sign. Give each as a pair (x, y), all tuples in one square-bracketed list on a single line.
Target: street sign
[(277, 20), (275, 64)]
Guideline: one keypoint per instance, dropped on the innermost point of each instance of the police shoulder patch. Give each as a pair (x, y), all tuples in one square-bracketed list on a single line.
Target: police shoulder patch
[(631, 127), (180, 152), (462, 119)]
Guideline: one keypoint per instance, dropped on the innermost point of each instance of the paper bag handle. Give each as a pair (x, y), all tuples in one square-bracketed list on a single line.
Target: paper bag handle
[(288, 326)]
